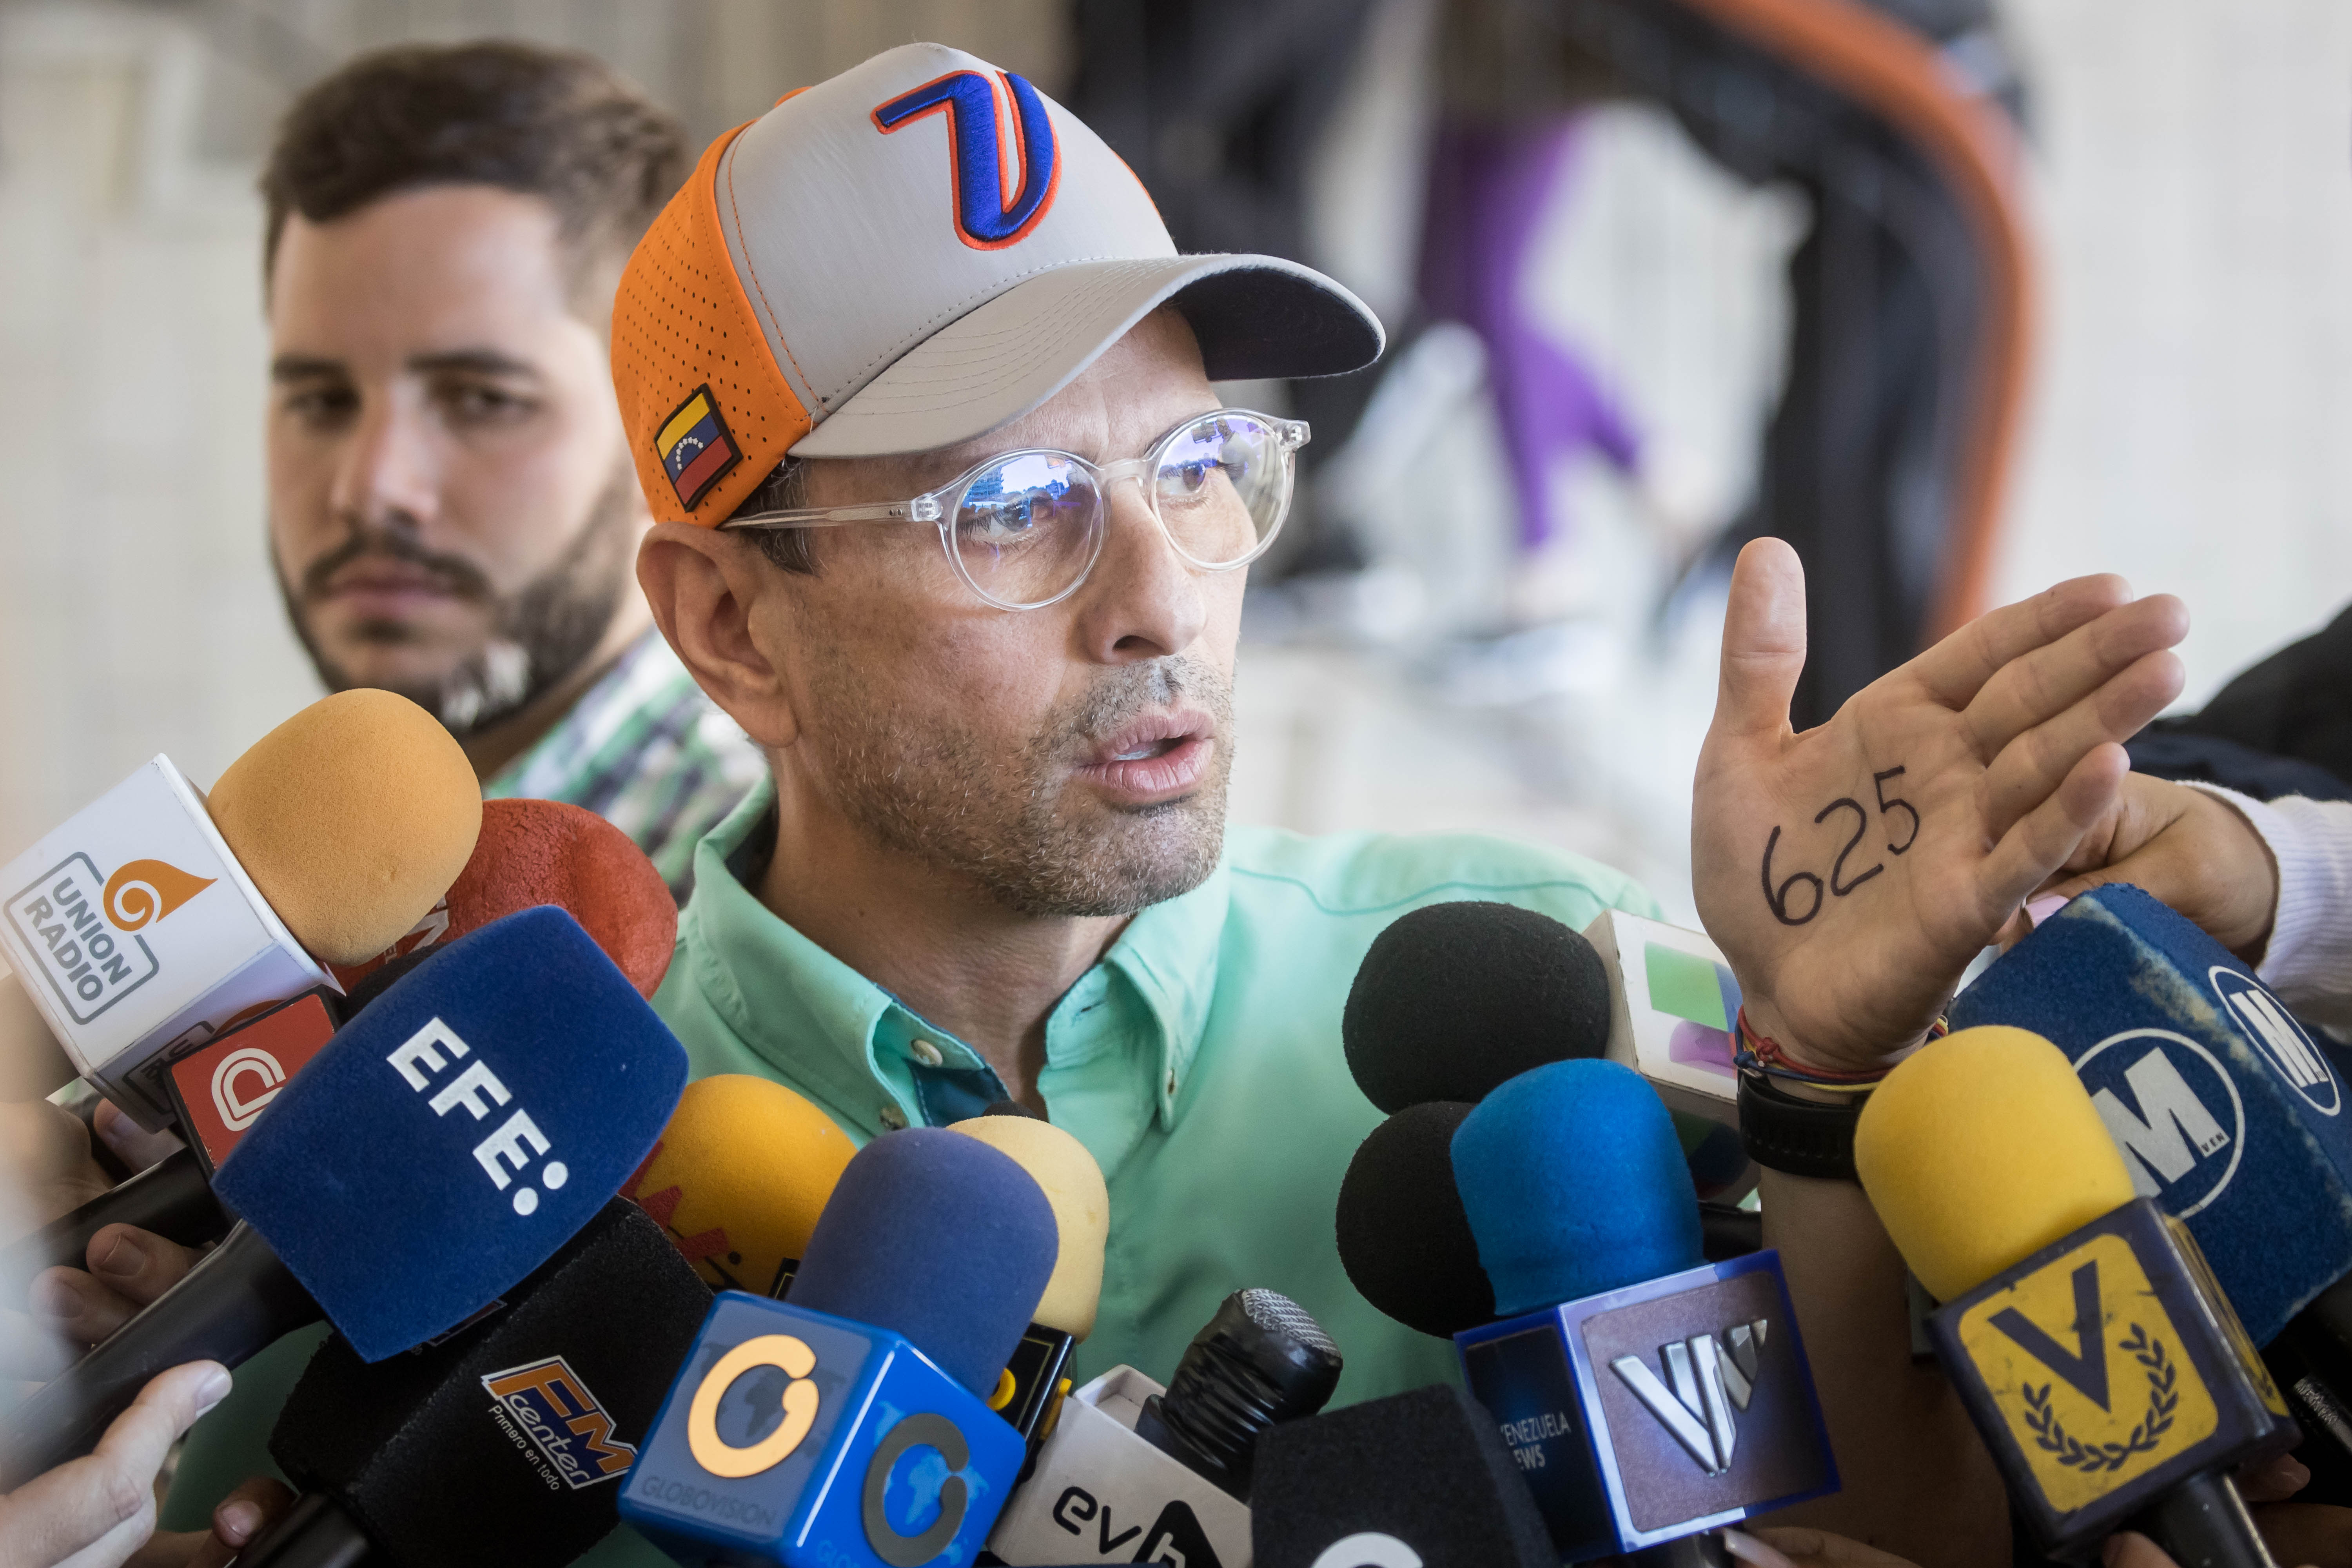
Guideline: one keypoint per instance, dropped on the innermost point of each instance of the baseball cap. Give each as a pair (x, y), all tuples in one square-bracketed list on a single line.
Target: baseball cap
[(908, 255)]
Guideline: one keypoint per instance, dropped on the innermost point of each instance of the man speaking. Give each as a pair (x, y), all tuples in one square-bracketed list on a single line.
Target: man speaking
[(951, 519)]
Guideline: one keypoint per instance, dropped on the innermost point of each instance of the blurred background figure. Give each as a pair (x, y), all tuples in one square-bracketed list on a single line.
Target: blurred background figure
[(1661, 274)]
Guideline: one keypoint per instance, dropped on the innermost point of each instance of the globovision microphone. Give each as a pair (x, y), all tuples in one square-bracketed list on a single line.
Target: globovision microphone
[(1030, 1393), (2080, 1325), (1414, 1480), (441, 1147), (531, 1414), (739, 1179), (534, 852), (155, 916), (1647, 1396), (1135, 1472), (849, 1425)]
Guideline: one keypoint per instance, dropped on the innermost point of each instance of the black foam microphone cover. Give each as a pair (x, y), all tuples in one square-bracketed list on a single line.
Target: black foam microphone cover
[(1452, 999), (1426, 1470), (507, 1440), (1405, 1239)]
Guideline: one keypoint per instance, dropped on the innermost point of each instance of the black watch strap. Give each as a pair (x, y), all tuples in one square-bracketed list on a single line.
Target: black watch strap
[(1800, 1136)]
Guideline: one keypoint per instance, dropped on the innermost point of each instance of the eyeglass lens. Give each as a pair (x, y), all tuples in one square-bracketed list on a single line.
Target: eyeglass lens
[(1028, 529)]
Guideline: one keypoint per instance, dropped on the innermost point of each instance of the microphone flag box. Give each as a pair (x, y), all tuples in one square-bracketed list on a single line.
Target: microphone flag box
[(1672, 1003), (2228, 1113), (796, 1437), (1654, 1412), (2105, 1368), (1101, 1494), (222, 1086), (135, 929)]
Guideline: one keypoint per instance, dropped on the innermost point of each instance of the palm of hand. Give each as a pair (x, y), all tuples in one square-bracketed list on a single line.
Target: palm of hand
[(1851, 873)]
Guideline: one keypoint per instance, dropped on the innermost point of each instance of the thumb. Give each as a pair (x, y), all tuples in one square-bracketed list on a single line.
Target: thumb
[(1763, 641)]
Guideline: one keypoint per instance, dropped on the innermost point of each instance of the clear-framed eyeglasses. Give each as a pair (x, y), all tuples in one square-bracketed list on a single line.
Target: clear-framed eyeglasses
[(1023, 529)]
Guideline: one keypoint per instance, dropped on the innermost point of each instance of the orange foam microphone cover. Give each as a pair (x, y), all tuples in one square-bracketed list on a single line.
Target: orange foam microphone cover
[(535, 852), (353, 817)]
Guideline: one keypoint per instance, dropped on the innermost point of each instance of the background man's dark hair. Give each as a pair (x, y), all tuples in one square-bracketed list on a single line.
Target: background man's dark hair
[(551, 123)]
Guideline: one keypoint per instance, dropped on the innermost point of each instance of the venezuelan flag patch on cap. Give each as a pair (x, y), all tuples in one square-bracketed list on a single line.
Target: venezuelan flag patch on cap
[(694, 447)]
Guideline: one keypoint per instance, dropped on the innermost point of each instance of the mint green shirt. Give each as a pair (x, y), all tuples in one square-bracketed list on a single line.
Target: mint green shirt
[(1199, 1062)]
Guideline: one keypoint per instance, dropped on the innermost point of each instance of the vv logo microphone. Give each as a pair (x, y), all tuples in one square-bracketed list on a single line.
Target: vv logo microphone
[(1644, 1394), (848, 1426)]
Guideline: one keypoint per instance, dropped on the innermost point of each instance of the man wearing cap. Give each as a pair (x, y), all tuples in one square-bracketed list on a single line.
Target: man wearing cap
[(951, 519)]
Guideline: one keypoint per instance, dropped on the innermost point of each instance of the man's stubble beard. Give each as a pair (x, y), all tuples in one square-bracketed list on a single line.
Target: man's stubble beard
[(944, 794), (541, 634)]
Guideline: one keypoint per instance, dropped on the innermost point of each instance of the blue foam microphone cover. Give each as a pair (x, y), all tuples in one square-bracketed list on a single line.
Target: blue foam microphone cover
[(939, 1237), (457, 1132), (1574, 1184), (2230, 1114)]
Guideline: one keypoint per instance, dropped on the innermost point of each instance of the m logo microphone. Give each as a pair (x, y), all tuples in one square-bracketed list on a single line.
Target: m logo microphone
[(2280, 1039), (990, 212), (2174, 1113)]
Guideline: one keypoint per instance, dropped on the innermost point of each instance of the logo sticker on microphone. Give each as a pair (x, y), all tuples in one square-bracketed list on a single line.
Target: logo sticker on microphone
[(2279, 1039), (544, 1408), (2172, 1110), (82, 927)]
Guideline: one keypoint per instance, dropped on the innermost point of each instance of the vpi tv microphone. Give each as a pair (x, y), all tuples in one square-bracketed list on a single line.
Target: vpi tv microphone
[(531, 1416), (156, 916), (1646, 1395), (2080, 1325), (848, 1426), (1414, 1480), (442, 1147), (1135, 1472)]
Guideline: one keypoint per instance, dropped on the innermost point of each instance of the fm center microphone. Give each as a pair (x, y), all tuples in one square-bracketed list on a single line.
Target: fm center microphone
[(1135, 1472), (441, 1147), (2107, 1371), (155, 916), (1647, 1395), (531, 1416), (848, 1426)]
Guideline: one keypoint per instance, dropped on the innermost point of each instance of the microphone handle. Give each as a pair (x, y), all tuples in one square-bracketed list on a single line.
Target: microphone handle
[(170, 1197), (1705, 1549), (236, 1303), (2203, 1523), (313, 1534)]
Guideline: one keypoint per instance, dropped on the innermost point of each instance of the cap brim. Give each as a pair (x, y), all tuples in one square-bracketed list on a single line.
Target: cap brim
[(1255, 316)]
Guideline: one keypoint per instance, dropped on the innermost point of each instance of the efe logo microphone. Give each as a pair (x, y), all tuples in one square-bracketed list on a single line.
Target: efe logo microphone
[(517, 1139)]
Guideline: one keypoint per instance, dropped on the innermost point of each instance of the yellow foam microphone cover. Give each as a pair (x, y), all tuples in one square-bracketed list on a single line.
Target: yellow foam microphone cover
[(740, 1174), (1074, 1185), (353, 817), (1980, 1150)]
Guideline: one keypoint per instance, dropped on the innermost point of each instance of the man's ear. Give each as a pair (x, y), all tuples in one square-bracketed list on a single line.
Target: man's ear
[(704, 587)]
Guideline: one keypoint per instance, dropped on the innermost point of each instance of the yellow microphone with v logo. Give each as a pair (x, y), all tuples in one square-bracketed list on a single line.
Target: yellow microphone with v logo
[(2080, 1324)]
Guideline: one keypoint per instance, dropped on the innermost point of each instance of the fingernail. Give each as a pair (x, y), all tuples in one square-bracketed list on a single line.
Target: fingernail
[(2294, 1471), (121, 1261), (1748, 1548), (2043, 908), (213, 1389), (56, 1298), (235, 1522)]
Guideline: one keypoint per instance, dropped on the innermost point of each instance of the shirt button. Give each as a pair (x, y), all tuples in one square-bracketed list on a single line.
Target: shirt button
[(928, 1054), (893, 1119)]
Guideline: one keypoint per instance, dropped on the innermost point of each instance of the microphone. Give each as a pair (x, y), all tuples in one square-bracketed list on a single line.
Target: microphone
[(441, 1147), (1671, 1004), (848, 1424), (1171, 1469), (1414, 1480), (1404, 1238), (1646, 1395), (531, 1416), (1035, 1383), (550, 852), (148, 922), (2080, 1325), (739, 1179)]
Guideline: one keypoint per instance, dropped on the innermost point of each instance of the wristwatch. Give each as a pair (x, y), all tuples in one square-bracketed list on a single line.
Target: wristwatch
[(1800, 1136)]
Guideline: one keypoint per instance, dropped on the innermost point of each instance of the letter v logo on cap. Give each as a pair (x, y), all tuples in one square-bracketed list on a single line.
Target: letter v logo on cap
[(988, 216)]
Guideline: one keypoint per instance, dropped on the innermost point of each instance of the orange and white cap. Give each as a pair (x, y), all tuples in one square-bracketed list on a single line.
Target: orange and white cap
[(908, 255)]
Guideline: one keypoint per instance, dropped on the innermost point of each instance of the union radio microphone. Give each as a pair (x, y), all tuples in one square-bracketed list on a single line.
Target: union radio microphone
[(2080, 1325), (156, 916), (531, 1416), (441, 1147), (1135, 1472), (848, 1426), (1647, 1395)]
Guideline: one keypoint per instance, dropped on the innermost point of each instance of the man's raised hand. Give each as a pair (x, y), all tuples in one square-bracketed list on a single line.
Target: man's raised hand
[(1849, 873)]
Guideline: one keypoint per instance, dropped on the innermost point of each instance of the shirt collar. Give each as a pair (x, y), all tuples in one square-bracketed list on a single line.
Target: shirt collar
[(852, 1043)]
